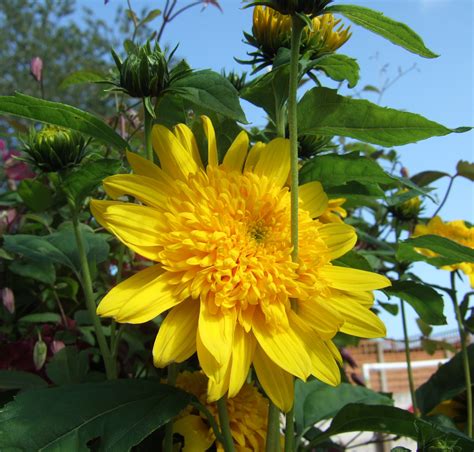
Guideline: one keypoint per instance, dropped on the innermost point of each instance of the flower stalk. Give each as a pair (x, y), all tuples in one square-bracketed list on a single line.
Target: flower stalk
[(273, 429), (228, 442), (464, 354), (148, 120)]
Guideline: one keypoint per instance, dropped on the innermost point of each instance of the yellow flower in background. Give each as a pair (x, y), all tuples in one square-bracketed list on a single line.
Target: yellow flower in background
[(334, 212), (457, 231), (272, 30), (221, 238), (248, 414)]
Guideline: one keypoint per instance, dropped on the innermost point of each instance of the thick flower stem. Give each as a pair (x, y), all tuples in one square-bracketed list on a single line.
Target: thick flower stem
[(272, 442), (148, 126), (109, 363), (228, 442), (465, 356), (411, 382)]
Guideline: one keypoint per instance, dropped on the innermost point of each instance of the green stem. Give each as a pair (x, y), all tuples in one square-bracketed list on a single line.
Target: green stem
[(290, 431), (110, 367), (148, 126), (228, 442), (408, 358), (171, 380), (465, 356), (272, 443)]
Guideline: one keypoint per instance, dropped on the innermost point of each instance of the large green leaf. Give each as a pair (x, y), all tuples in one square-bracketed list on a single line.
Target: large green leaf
[(87, 177), (427, 303), (43, 272), (269, 91), (209, 90), (386, 419), (427, 177), (448, 251), (322, 111), (37, 196), (447, 382), (333, 170), (396, 32), (15, 379), (339, 68), (61, 115), (119, 413), (315, 401)]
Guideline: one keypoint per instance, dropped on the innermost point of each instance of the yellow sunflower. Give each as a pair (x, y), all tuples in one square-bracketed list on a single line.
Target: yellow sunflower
[(248, 416), (220, 237), (456, 231)]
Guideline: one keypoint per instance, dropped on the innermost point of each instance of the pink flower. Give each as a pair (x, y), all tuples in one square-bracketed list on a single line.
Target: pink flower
[(14, 169), (56, 346), (36, 68)]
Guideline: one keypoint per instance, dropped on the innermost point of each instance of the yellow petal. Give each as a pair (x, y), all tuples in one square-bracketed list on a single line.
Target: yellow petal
[(235, 156), (138, 227), (253, 156), (352, 279), (242, 355), (144, 189), (174, 159), (358, 320), (339, 238), (186, 137), (315, 200), (139, 298), (196, 434), (277, 384), (212, 156), (217, 332), (323, 364), (218, 375), (283, 347), (324, 319), (144, 167), (176, 338), (274, 161)]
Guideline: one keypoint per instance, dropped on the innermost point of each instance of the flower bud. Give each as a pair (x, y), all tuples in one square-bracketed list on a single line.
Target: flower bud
[(40, 351), (238, 80), (407, 210), (36, 68), (144, 73), (289, 7), (54, 148), (8, 300), (312, 144)]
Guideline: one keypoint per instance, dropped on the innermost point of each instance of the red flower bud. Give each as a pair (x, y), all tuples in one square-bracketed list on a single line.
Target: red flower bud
[(36, 68), (8, 299)]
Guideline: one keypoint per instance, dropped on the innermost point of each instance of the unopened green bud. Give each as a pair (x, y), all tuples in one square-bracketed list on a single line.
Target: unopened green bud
[(238, 80), (310, 145), (144, 73), (40, 352), (54, 148)]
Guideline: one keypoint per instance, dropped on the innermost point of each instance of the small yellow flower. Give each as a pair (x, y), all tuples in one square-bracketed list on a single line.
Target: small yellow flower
[(248, 413), (456, 231), (221, 238), (272, 30), (409, 209)]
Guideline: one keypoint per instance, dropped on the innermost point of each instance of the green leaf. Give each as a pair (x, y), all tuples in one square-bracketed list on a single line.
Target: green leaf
[(333, 170), (353, 260), (82, 182), (447, 382), (389, 307), (121, 413), (338, 67), (153, 14), (15, 379), (35, 195), (448, 251), (427, 303), (322, 111), (10, 198), (427, 177), (43, 272), (68, 366), (465, 169), (81, 77), (316, 401), (269, 91), (386, 419), (61, 115), (41, 317), (374, 21), (209, 90)]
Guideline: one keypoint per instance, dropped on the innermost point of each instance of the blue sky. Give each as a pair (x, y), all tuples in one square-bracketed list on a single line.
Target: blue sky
[(440, 89)]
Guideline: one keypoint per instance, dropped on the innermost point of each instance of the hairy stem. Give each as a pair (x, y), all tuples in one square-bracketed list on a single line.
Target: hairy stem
[(228, 442), (272, 443), (148, 127), (465, 356)]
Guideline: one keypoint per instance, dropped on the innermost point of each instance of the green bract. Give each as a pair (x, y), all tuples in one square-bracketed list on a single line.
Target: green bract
[(310, 7), (54, 148), (144, 73)]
